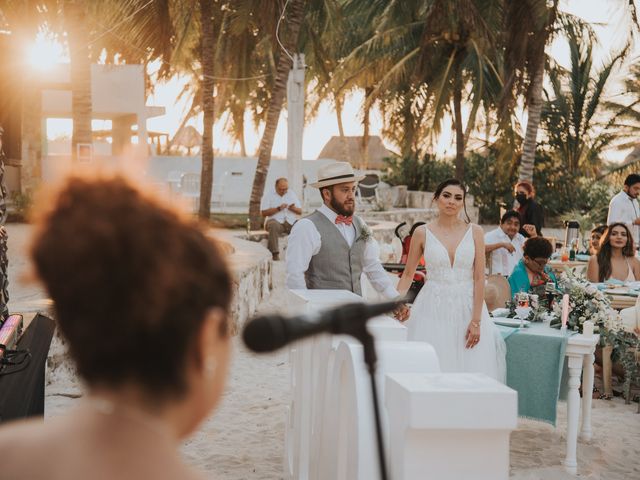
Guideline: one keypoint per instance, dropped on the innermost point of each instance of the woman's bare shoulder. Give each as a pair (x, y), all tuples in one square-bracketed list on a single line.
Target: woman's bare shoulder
[(23, 441), (477, 231)]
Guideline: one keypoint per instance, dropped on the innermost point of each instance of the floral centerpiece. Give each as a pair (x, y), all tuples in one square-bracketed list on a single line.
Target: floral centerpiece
[(586, 302)]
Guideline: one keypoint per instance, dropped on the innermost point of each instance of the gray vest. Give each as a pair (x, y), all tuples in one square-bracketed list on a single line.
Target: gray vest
[(336, 266)]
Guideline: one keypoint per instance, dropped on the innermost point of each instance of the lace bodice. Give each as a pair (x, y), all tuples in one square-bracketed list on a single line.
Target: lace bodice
[(439, 268)]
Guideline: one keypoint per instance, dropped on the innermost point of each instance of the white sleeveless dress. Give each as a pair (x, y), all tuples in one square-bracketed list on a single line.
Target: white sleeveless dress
[(442, 311)]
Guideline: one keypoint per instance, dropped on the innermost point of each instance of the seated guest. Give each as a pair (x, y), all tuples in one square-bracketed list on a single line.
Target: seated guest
[(280, 208), (504, 245), (594, 239), (141, 296), (532, 273), (615, 258)]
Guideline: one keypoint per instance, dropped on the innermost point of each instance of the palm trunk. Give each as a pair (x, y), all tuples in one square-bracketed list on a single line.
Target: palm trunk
[(294, 17), (207, 60), (241, 139), (530, 139), (366, 124), (78, 38), (457, 101)]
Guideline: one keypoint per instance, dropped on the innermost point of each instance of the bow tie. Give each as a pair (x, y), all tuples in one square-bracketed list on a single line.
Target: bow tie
[(342, 219)]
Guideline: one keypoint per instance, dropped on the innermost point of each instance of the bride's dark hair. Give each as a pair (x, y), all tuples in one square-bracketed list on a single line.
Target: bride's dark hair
[(457, 183)]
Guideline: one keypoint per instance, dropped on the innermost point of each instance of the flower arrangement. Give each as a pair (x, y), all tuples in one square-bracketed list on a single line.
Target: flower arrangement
[(586, 302)]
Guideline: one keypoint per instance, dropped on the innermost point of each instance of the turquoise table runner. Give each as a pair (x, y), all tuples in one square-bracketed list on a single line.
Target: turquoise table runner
[(535, 360)]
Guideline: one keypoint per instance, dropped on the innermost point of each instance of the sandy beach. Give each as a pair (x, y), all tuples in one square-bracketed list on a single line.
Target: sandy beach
[(244, 439)]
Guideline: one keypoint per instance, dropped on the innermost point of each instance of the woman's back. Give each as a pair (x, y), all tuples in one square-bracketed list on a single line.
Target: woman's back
[(88, 443)]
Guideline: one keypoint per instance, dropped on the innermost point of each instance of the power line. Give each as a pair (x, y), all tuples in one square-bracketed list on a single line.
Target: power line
[(278, 28)]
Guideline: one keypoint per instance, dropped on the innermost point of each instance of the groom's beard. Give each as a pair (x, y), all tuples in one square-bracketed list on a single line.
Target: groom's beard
[(341, 208)]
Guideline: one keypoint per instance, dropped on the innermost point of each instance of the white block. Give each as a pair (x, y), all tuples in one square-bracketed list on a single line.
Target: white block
[(454, 426)]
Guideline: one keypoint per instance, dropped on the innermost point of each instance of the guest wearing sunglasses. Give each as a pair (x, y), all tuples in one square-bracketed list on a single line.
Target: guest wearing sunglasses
[(532, 273)]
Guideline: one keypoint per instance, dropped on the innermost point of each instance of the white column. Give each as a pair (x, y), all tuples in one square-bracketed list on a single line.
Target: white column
[(587, 389), (295, 124), (573, 412)]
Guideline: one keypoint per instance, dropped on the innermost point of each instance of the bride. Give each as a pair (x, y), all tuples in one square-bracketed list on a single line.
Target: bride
[(449, 312)]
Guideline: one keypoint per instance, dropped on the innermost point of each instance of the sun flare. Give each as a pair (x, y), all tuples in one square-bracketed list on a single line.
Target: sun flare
[(45, 52)]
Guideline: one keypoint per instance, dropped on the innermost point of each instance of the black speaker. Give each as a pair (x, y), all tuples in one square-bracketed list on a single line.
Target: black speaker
[(10, 98), (22, 392)]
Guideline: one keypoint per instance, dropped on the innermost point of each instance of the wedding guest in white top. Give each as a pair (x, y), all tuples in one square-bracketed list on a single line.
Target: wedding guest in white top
[(624, 206), (332, 247), (281, 208), (504, 244), (615, 258)]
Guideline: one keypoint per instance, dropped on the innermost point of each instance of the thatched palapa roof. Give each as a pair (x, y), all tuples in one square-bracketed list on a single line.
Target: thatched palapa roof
[(351, 151)]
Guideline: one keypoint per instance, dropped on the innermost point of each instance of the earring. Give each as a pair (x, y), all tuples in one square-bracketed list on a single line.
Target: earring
[(210, 366)]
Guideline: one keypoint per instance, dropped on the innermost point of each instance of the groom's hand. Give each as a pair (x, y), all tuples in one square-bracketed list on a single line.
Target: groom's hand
[(401, 313)]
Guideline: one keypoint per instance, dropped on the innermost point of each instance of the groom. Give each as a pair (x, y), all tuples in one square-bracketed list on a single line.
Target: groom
[(331, 248)]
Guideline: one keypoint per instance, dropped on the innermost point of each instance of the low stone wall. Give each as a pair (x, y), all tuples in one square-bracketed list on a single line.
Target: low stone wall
[(252, 283)]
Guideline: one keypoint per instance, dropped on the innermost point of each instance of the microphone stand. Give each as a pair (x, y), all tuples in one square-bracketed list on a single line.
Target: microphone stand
[(371, 359)]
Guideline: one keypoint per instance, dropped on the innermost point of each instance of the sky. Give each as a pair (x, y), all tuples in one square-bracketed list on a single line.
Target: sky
[(607, 15)]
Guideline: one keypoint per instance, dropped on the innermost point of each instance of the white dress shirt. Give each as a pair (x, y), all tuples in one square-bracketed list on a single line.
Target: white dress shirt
[(305, 242), (501, 261), (625, 209), (273, 200)]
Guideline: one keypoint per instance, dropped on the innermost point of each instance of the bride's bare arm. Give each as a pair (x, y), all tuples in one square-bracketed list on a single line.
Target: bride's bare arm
[(472, 337), (478, 274), (415, 252)]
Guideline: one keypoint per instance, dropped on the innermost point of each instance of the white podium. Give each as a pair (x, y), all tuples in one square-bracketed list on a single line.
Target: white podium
[(446, 426)]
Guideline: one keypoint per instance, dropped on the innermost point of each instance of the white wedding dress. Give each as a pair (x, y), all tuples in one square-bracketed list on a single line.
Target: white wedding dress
[(441, 312)]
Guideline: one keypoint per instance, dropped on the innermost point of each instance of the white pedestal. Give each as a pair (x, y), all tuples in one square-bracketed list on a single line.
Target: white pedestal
[(451, 426), (312, 362)]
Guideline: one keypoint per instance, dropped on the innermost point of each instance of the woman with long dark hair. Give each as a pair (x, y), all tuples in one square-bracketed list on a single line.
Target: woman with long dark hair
[(615, 258), (449, 312)]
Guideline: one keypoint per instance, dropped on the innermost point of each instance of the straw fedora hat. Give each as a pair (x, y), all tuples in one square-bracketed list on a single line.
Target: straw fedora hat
[(496, 292), (335, 173)]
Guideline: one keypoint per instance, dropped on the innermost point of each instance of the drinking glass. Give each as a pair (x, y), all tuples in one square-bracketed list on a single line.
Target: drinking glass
[(522, 299)]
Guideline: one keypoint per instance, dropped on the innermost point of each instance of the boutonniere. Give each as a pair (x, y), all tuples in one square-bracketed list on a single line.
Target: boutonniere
[(365, 233)]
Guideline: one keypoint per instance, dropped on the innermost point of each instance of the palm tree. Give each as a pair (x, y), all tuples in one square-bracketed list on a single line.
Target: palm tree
[(446, 46), (207, 82), (184, 38), (75, 19), (628, 109), (293, 21), (530, 25), (577, 126)]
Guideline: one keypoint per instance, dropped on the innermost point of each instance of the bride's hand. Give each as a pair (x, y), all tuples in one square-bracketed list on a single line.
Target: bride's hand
[(401, 313), (473, 334)]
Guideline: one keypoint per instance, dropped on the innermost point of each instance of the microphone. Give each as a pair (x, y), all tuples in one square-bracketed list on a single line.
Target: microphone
[(270, 332)]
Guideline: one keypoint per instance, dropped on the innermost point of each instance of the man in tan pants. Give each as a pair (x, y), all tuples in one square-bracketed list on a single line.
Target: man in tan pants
[(281, 208)]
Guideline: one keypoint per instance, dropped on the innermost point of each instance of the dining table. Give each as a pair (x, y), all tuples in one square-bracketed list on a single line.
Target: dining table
[(539, 381), (558, 265)]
